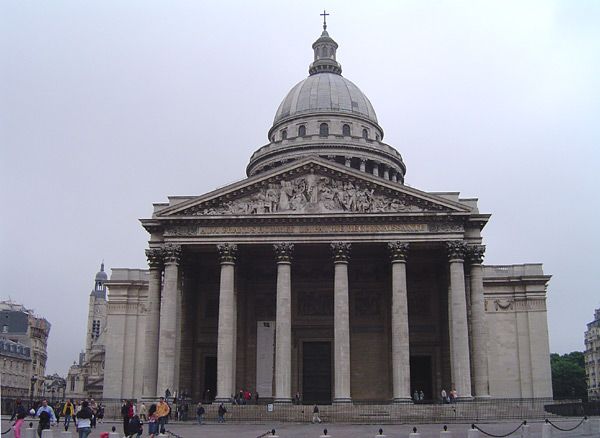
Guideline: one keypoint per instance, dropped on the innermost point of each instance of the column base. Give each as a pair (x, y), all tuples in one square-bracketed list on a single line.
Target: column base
[(466, 398), (402, 400), (483, 397), (226, 400), (283, 401), (342, 401)]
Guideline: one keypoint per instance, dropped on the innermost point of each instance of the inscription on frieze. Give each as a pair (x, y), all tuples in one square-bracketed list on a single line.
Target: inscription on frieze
[(197, 230), (314, 194)]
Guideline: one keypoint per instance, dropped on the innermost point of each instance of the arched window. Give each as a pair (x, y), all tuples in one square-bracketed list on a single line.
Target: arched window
[(324, 130), (365, 134), (377, 137), (346, 130), (302, 131), (284, 134)]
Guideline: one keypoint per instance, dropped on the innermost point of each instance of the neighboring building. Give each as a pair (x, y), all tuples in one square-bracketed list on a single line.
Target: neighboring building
[(21, 325), (86, 378), (54, 387), (15, 369), (592, 356), (373, 288)]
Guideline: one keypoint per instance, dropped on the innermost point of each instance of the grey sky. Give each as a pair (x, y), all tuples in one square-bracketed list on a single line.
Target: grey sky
[(108, 106)]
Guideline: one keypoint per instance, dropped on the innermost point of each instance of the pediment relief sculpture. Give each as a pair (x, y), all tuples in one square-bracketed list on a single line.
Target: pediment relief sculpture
[(314, 194)]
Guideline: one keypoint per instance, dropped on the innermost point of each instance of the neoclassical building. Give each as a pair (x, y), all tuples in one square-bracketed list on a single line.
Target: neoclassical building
[(323, 273)]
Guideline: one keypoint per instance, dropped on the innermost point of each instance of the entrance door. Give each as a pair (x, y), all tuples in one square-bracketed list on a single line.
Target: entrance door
[(421, 376), (316, 373), (210, 378)]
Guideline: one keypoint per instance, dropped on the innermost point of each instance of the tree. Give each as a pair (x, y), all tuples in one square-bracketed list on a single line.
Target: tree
[(568, 375)]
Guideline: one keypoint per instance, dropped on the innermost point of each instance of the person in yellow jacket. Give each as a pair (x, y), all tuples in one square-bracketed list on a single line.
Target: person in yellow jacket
[(68, 412), (162, 413)]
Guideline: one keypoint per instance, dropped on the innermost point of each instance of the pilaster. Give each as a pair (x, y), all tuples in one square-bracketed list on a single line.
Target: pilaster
[(155, 265)]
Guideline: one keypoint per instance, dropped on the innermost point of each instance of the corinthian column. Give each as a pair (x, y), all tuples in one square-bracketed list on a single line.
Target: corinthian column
[(283, 325), (341, 323), (479, 330), (225, 341), (459, 331), (400, 337), (167, 347), (155, 264)]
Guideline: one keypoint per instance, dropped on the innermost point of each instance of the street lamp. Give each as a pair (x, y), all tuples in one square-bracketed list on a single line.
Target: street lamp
[(33, 380)]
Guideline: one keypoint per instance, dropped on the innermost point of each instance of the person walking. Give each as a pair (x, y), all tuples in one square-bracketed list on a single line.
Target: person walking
[(221, 413), (18, 415), (46, 415), (162, 413), (125, 416), (316, 418), (135, 428), (444, 396), (200, 411), (68, 412), (83, 420)]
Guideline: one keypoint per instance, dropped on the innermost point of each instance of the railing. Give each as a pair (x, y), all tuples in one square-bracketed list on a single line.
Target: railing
[(378, 412)]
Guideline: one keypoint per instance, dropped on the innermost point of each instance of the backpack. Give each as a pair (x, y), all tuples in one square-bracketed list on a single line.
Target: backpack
[(44, 417)]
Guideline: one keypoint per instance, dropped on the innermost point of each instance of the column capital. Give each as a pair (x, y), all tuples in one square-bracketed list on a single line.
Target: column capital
[(227, 252), (457, 249), (476, 253), (171, 253), (341, 252), (155, 258), (283, 252), (398, 251)]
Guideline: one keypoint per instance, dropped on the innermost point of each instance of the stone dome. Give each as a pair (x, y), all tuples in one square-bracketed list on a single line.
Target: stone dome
[(325, 93), (101, 275), (326, 115)]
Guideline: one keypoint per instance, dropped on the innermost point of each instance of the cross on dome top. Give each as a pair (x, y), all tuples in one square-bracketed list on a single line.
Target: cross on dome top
[(324, 15)]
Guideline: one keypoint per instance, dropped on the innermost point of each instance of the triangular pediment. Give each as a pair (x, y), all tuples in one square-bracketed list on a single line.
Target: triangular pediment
[(311, 186)]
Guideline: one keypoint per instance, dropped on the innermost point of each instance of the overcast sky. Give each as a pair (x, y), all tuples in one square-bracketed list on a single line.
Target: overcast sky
[(108, 106)]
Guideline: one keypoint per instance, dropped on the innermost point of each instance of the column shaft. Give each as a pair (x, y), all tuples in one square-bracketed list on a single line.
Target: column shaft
[(225, 335), (167, 348), (283, 333), (400, 335), (341, 329), (226, 326), (459, 332), (479, 329), (152, 324)]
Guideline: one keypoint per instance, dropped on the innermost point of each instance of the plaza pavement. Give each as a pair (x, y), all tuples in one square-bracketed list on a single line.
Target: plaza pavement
[(297, 430)]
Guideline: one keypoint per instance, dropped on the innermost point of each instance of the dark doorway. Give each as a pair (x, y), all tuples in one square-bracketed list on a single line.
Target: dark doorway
[(210, 378), (316, 373), (420, 376)]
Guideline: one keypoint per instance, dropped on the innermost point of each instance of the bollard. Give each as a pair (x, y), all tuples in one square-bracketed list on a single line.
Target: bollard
[(414, 434), (445, 433), (525, 432), (586, 427), (547, 430), (114, 434), (30, 432), (273, 434), (47, 433), (380, 433), (66, 434), (473, 433), (325, 434)]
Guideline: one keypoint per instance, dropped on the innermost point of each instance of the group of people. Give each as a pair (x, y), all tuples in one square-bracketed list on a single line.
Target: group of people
[(449, 397), (156, 416), (244, 397), (83, 413)]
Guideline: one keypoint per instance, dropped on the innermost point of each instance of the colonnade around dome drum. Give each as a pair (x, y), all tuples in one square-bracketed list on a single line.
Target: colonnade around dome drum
[(228, 304)]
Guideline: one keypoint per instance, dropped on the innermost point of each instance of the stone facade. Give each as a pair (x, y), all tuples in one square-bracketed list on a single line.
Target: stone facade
[(592, 356), (322, 273), (22, 326), (15, 368)]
